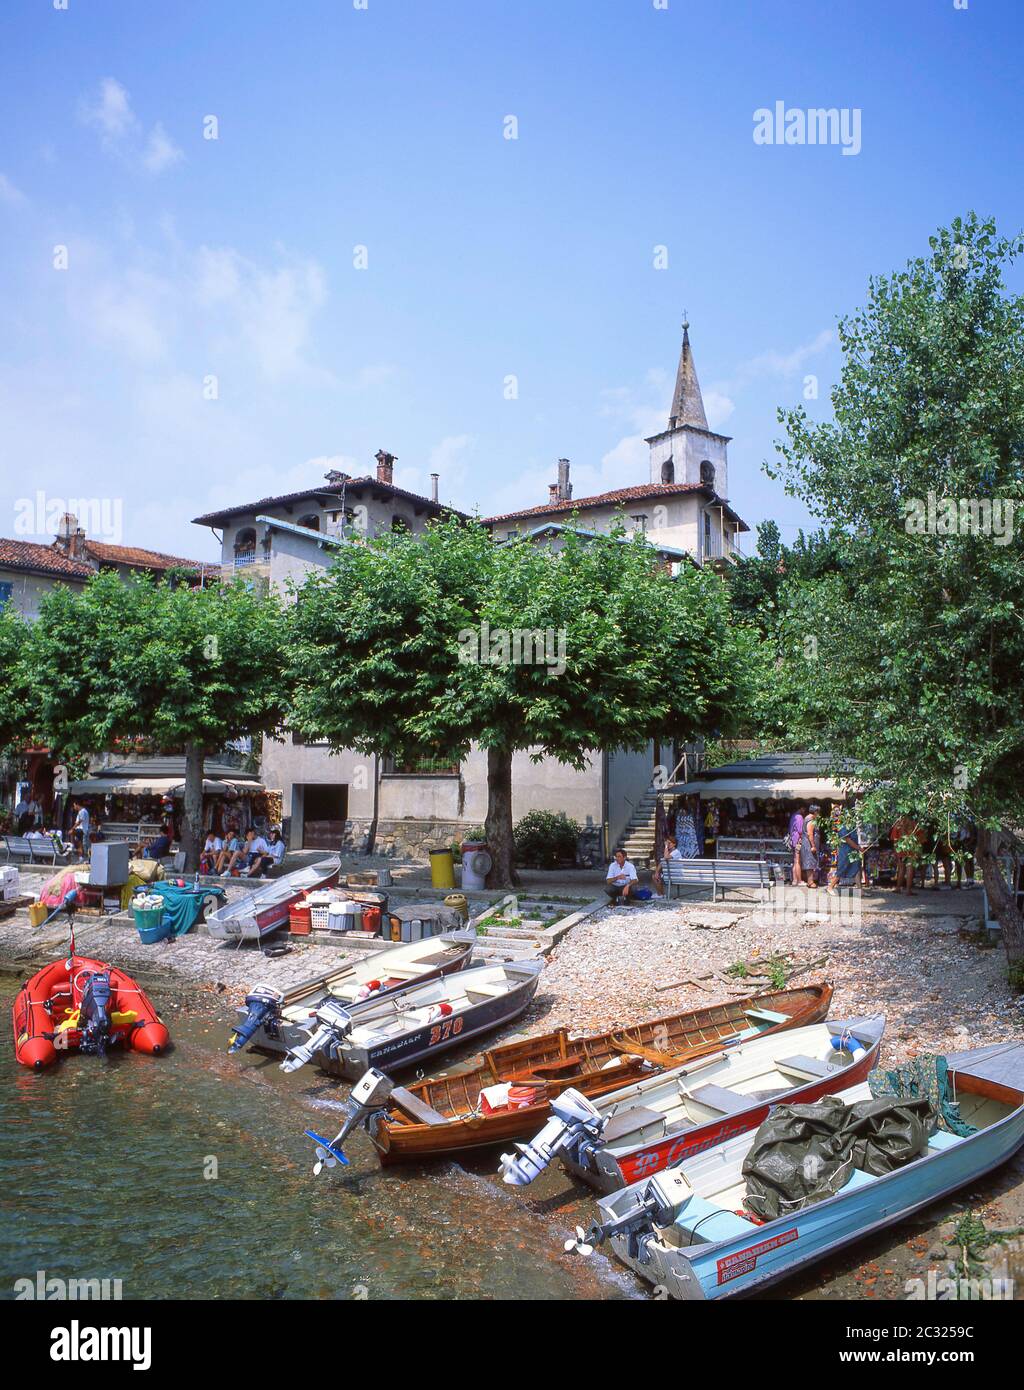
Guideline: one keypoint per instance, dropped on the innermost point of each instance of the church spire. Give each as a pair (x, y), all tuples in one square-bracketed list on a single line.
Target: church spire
[(687, 402)]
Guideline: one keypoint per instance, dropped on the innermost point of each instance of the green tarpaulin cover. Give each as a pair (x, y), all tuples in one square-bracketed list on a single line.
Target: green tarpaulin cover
[(804, 1153)]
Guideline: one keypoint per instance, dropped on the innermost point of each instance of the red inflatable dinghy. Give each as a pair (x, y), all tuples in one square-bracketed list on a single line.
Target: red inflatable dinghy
[(82, 1005)]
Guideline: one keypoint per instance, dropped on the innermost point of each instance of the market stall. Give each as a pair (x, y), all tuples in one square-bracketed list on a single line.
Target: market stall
[(131, 801), (742, 810)]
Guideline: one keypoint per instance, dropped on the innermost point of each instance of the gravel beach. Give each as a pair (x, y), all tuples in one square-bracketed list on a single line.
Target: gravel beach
[(940, 989)]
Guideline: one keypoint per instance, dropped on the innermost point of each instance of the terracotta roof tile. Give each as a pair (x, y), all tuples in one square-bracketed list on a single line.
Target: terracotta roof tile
[(641, 492), (41, 559), (137, 557)]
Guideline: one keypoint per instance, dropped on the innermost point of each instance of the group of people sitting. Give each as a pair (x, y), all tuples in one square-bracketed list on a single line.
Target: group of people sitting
[(242, 856)]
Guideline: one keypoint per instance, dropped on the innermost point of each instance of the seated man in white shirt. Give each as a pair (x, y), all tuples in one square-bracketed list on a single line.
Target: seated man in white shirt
[(621, 880)]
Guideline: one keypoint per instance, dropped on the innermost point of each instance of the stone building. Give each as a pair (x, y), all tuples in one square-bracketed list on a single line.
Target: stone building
[(341, 799)]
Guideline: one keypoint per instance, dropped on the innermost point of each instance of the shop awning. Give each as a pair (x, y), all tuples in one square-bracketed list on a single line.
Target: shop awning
[(158, 786), (766, 788)]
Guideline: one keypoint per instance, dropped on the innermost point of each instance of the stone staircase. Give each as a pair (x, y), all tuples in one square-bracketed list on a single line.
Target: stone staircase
[(638, 837)]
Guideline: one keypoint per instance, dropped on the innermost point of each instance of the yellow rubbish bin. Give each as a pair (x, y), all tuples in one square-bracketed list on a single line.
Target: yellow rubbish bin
[(442, 868)]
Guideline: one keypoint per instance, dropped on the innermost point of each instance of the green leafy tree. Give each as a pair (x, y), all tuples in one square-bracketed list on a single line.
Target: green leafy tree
[(19, 707), (916, 665), (413, 646), (191, 669)]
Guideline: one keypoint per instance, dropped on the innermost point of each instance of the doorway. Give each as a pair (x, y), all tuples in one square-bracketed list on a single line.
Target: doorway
[(324, 813)]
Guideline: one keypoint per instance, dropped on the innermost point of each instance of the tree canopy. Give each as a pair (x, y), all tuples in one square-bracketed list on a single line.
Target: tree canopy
[(190, 668), (427, 644), (916, 646)]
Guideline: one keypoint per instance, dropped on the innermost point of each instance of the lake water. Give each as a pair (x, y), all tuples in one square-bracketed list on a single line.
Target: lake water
[(102, 1165)]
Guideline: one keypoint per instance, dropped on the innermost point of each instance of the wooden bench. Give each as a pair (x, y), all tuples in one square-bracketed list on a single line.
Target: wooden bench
[(678, 874), (36, 849)]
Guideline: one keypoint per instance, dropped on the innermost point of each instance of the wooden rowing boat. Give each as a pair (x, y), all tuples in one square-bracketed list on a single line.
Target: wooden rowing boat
[(450, 1115), (683, 1230), (662, 1120)]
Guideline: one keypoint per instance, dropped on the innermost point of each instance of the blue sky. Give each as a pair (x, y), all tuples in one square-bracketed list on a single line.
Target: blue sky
[(384, 127)]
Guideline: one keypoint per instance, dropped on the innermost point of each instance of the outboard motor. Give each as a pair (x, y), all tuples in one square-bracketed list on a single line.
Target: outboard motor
[(94, 1016), (368, 1097), (573, 1121), (656, 1202), (264, 1005), (333, 1023)]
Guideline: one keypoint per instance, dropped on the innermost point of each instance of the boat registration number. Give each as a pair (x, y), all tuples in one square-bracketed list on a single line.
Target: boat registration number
[(441, 1032), (743, 1261)]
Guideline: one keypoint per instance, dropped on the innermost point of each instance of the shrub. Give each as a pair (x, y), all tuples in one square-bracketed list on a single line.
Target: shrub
[(546, 839)]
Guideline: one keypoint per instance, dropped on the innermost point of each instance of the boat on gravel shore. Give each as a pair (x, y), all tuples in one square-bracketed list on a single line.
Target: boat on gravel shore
[(686, 1230), (662, 1120), (415, 1023), (256, 914), (508, 1095), (276, 1020)]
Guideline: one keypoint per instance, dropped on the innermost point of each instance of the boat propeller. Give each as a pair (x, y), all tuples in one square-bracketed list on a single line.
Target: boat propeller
[(368, 1097), (333, 1023), (579, 1245), (327, 1156), (573, 1121), (643, 1207)]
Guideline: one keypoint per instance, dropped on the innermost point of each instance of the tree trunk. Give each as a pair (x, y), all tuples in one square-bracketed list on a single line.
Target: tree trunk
[(192, 827), (498, 825), (1002, 899)]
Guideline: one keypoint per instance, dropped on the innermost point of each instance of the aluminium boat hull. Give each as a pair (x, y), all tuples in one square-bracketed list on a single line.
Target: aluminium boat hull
[(445, 954), (435, 1038), (607, 1166), (257, 914), (763, 1256)]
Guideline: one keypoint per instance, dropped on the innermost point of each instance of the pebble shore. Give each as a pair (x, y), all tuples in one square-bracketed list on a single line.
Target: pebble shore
[(940, 989)]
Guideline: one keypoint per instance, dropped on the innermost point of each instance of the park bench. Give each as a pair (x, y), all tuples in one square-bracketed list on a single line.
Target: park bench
[(714, 874), (36, 849)]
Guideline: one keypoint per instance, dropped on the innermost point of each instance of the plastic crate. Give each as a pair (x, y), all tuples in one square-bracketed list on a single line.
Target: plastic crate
[(299, 923)]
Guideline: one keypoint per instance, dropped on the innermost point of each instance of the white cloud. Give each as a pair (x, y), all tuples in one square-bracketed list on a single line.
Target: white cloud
[(268, 313), (110, 112), (161, 151), (9, 193), (717, 407), (132, 314)]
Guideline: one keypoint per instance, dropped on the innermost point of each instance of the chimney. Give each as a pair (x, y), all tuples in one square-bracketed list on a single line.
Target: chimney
[(433, 486), (552, 492), (70, 538), (385, 467), (564, 485)]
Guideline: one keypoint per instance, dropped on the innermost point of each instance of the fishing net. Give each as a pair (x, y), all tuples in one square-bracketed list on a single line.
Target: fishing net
[(926, 1076)]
